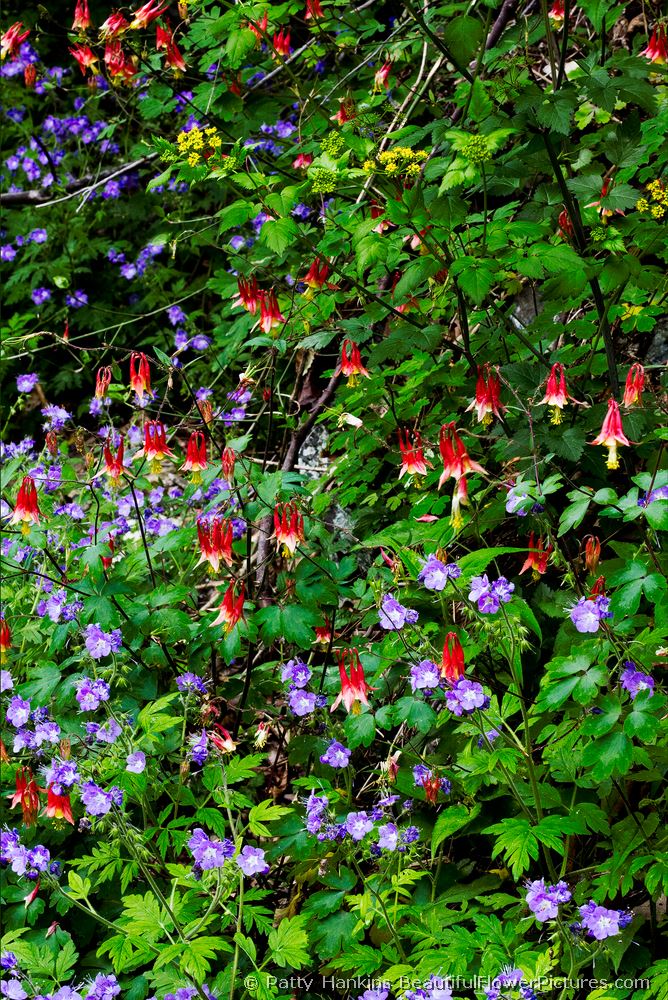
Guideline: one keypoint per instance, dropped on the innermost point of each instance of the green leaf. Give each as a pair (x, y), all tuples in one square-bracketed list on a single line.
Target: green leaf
[(612, 754), (518, 843), (463, 36), (288, 943), (265, 812), (475, 277), (278, 234), (452, 819), (360, 730)]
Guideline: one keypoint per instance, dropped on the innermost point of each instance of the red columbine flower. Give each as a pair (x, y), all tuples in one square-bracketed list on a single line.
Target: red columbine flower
[(302, 161), (592, 553), (381, 77), (377, 212), (557, 13), (140, 375), (635, 381), (317, 274), (223, 742), (196, 461), (113, 26), (351, 362), (58, 806), (108, 560), (215, 541), (487, 396), (538, 558), (432, 787), (228, 461), (5, 639), (354, 688), (30, 75), (323, 633), (288, 526), (249, 295), (232, 608), (452, 662), (82, 19), (313, 9), (259, 28), (118, 63), (566, 230), (657, 47), (26, 795), (612, 433), (456, 460), (86, 59), (413, 461), (26, 510), (155, 445), (281, 43), (143, 17), (598, 590), (102, 382), (12, 40), (270, 315), (346, 112), (113, 464), (164, 39), (556, 394)]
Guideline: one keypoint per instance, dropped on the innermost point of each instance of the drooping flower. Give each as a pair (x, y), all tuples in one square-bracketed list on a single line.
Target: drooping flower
[(538, 557), (215, 537), (228, 460), (592, 553), (113, 26), (452, 662), (144, 15), (281, 43), (155, 445), (288, 526), (354, 688), (222, 740), (12, 39), (381, 77), (657, 46), (413, 461), (313, 10), (102, 382), (164, 39), (196, 461), (82, 19), (556, 393), (346, 112), (635, 381), (26, 795), (557, 13), (113, 464), (393, 616), (456, 460), (612, 433), (118, 62), (5, 641), (270, 314), (85, 58), (140, 375), (26, 511), (302, 161), (58, 806), (232, 607), (351, 362), (316, 275), (259, 28), (251, 861), (487, 402)]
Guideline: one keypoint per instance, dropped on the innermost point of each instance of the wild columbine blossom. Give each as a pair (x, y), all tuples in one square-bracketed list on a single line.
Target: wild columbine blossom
[(232, 607), (657, 46), (113, 464), (556, 393), (113, 26), (316, 275), (393, 616), (490, 596), (196, 461), (601, 923), (270, 314), (12, 39), (456, 460), (487, 402), (215, 536), (5, 642), (634, 681), (557, 13), (425, 676), (228, 460), (313, 10), (26, 511), (302, 161), (612, 433), (354, 688), (465, 697), (336, 755), (413, 461), (140, 376), (588, 613), (249, 296), (85, 58), (452, 662), (544, 900), (381, 77), (635, 382), (538, 557), (100, 644), (251, 861), (431, 782), (209, 854), (592, 553), (281, 43), (351, 363), (26, 795), (102, 382), (155, 445), (82, 19), (144, 15), (288, 527), (164, 40)]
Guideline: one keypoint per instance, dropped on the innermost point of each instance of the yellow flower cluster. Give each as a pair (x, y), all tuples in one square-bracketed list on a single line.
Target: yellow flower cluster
[(656, 202), (198, 144), (397, 161)]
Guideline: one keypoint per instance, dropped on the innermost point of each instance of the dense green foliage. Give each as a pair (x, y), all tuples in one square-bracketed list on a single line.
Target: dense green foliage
[(333, 348)]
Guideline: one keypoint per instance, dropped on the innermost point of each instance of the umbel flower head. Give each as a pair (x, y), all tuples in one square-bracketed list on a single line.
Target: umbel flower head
[(612, 433)]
